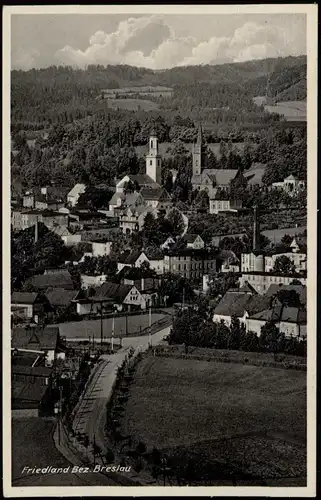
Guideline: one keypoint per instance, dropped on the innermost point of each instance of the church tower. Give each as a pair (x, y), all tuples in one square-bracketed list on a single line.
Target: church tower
[(153, 159), (199, 153)]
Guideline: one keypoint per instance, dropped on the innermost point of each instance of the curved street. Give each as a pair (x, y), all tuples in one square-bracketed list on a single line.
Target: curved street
[(91, 414)]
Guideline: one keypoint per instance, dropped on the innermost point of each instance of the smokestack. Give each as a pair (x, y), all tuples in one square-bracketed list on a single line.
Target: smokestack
[(256, 229), (36, 230)]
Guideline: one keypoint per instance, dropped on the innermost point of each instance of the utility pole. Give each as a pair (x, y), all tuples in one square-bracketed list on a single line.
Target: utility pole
[(113, 333), (101, 324), (150, 326)]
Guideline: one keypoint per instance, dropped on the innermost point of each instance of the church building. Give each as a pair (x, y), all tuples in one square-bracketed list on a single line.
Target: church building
[(153, 174), (209, 179)]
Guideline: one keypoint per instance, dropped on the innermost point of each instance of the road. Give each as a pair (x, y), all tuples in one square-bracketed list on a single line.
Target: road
[(91, 415)]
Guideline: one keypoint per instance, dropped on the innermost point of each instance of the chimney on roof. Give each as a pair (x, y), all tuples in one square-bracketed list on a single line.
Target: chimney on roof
[(256, 229)]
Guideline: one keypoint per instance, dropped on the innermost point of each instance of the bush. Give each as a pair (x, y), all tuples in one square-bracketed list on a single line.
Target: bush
[(110, 456)]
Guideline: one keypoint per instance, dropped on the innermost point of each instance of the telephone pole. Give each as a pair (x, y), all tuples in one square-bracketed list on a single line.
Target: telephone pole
[(150, 326)]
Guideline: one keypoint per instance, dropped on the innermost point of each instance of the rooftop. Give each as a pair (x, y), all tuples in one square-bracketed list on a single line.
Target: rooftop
[(35, 338), (59, 297), (114, 291), (24, 297), (159, 194), (190, 238), (129, 257), (59, 279)]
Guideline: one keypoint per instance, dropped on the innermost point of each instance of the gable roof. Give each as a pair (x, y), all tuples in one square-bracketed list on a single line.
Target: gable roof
[(114, 291), (60, 279), (61, 231), (60, 297), (77, 189), (221, 176), (248, 288), (35, 338), (129, 257), (143, 180), (38, 371), (232, 304), (24, 297), (255, 173), (299, 289), (301, 241), (131, 198), (159, 194), (272, 314), (116, 197), (279, 313), (257, 303), (27, 395), (190, 238)]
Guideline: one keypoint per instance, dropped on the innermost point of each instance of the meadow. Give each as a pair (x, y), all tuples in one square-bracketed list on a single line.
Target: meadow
[(291, 110), (133, 104), (252, 416)]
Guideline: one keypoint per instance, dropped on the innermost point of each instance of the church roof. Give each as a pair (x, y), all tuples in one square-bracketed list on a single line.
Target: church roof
[(143, 180), (155, 194), (218, 175)]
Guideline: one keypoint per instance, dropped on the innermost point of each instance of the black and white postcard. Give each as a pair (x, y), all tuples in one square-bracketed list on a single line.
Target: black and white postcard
[(159, 250)]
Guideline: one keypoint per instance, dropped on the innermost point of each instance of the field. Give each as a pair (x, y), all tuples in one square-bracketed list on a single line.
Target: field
[(291, 110), (89, 328), (256, 415), (132, 104)]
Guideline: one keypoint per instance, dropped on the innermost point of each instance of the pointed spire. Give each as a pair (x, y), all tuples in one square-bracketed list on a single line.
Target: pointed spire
[(200, 135)]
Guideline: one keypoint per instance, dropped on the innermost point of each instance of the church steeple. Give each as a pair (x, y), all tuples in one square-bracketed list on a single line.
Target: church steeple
[(199, 153), (153, 159), (199, 135)]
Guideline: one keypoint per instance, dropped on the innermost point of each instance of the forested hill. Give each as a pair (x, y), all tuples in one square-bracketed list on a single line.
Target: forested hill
[(39, 96), (282, 72), (64, 131)]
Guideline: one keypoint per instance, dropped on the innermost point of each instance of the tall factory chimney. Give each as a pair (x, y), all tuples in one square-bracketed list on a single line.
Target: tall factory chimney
[(256, 229)]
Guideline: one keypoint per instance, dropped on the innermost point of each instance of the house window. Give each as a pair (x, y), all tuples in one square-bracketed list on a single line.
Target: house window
[(151, 162), (151, 144)]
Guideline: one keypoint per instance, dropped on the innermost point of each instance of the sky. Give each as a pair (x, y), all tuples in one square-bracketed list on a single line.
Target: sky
[(153, 41)]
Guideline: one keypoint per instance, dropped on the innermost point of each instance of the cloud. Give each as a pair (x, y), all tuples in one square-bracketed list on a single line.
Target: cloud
[(149, 41), (24, 59)]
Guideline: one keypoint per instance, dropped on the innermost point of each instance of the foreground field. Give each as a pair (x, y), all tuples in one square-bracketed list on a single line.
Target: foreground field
[(255, 416), (86, 330)]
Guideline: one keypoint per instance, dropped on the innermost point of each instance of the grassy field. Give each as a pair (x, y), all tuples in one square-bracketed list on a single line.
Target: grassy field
[(221, 410), (90, 328), (132, 104), (292, 110)]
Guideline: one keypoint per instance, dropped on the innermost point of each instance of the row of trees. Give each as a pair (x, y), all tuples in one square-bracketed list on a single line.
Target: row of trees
[(192, 329)]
